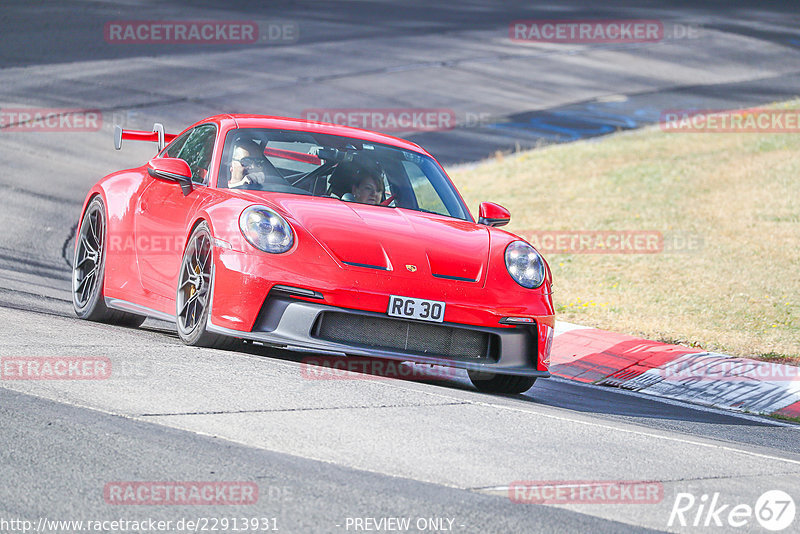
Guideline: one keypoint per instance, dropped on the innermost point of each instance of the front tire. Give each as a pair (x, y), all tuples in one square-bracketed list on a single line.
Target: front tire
[(88, 271), (496, 383), (193, 298)]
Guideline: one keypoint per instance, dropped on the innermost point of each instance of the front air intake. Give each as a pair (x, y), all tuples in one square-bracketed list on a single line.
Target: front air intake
[(435, 340)]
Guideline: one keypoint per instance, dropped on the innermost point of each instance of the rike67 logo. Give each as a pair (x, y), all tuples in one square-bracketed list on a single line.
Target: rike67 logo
[(774, 510)]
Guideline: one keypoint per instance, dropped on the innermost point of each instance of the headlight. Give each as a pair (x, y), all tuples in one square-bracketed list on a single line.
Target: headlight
[(524, 264), (266, 230)]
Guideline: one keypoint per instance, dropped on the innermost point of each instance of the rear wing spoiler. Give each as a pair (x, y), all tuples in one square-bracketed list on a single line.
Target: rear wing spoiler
[(156, 136)]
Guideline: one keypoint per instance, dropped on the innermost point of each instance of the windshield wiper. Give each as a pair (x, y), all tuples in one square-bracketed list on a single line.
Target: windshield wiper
[(434, 212)]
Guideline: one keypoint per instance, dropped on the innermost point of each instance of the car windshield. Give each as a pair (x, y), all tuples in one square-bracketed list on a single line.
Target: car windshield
[(344, 168)]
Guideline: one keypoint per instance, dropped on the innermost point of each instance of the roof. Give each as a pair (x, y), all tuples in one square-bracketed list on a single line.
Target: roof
[(287, 123)]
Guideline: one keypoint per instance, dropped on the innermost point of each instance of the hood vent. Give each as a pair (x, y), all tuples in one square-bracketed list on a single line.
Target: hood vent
[(456, 278), (365, 265)]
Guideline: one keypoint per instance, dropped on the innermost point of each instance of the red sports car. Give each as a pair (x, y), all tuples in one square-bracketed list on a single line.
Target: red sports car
[(313, 237)]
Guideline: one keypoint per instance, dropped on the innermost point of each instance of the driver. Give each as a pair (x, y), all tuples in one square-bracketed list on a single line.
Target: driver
[(367, 188), (248, 165)]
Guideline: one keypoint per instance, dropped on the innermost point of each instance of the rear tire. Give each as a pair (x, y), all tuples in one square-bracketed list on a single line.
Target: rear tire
[(496, 383), (193, 295), (88, 271)]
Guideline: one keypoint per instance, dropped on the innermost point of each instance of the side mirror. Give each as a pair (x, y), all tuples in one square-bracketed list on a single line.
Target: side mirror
[(173, 170), (492, 214)]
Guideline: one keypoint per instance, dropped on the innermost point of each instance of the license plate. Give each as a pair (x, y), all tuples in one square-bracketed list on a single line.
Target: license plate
[(410, 308)]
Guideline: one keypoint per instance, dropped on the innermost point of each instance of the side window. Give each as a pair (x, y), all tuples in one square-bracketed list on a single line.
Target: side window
[(175, 146), (197, 150)]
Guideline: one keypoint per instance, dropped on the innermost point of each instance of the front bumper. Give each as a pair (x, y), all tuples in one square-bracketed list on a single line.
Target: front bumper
[(293, 324)]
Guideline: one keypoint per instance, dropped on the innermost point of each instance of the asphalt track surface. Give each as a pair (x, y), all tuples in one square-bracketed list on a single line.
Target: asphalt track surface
[(323, 451)]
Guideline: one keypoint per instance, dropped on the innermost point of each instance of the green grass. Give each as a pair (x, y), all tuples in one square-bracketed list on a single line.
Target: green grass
[(737, 194), (788, 418)]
